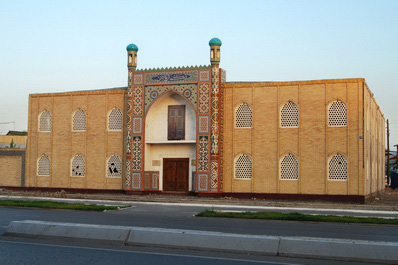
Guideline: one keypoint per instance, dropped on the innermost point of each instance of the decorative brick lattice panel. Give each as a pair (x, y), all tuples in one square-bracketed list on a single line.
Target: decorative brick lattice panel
[(45, 121), (243, 167), (137, 125), (44, 166), (128, 175), (114, 166), (147, 180), (204, 98), (138, 79), (136, 159), (155, 180), (243, 116), (202, 178), (78, 166), (79, 120), (137, 101), (115, 120), (203, 160), (337, 114), (204, 76), (289, 115), (289, 167), (136, 180), (214, 175), (203, 124), (338, 168)]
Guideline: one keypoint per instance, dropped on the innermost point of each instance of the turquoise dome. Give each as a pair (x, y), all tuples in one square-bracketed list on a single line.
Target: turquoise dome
[(215, 42), (132, 47)]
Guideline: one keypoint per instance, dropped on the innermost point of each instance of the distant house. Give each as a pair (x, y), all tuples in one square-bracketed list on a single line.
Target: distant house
[(18, 138)]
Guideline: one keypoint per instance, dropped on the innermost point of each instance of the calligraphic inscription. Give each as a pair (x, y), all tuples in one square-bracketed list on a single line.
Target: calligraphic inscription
[(171, 77)]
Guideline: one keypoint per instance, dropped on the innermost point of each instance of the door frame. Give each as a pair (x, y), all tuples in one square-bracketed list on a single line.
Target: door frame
[(164, 171)]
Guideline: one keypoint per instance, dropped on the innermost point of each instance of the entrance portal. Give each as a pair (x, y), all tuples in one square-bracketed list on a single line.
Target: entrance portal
[(175, 174)]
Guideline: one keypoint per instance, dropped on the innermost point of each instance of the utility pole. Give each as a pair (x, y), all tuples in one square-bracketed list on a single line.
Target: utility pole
[(388, 154)]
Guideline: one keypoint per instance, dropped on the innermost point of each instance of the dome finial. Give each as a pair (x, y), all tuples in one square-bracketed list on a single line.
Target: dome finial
[(132, 47), (215, 42)]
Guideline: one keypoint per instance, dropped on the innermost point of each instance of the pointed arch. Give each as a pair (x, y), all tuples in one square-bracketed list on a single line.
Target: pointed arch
[(78, 166), (115, 120), (44, 165), (45, 121), (243, 116), (79, 120), (289, 115), (289, 167), (114, 166), (337, 114), (243, 167), (338, 167)]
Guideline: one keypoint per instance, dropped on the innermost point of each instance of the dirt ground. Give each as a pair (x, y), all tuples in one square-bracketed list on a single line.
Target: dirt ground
[(387, 201)]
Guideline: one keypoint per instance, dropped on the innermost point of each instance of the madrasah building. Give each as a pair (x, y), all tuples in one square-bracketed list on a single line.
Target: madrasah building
[(188, 131)]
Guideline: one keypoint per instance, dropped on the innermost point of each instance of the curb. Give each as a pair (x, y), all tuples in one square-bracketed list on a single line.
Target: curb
[(353, 250)]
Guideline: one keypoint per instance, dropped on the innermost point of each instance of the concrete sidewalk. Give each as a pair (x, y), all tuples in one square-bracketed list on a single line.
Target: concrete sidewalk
[(218, 206), (334, 249)]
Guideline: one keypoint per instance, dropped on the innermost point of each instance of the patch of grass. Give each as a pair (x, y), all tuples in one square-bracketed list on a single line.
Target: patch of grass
[(298, 217), (59, 205)]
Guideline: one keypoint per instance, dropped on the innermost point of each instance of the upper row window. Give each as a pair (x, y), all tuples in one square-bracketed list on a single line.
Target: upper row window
[(289, 115), (115, 120)]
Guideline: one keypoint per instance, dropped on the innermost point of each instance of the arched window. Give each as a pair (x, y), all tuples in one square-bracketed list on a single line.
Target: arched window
[(114, 168), (337, 114), (115, 120), (243, 116), (78, 166), (45, 121), (289, 167), (338, 168), (79, 120), (243, 167), (289, 115), (44, 165)]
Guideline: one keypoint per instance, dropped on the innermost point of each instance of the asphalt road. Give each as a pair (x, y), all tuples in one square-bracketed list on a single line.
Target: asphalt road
[(182, 217), (48, 252)]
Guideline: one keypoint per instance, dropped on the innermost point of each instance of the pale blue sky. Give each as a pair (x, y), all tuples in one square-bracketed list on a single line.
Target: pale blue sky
[(56, 46)]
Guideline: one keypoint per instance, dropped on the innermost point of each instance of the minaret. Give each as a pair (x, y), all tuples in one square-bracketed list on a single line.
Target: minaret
[(215, 45), (132, 50)]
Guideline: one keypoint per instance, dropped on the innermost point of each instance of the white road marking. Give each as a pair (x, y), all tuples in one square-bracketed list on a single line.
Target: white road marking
[(144, 252), (116, 203)]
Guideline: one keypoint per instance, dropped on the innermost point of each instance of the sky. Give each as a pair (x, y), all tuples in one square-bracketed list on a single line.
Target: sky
[(58, 46)]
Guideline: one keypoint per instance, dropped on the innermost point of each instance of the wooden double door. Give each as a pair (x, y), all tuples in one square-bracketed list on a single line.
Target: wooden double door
[(175, 174)]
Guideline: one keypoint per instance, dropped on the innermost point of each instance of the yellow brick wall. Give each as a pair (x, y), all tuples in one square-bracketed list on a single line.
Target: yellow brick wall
[(313, 142), (96, 144), (10, 171), (18, 139)]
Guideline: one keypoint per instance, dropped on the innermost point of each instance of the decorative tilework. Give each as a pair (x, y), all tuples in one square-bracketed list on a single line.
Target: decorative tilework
[(137, 125), (204, 98), (214, 79), (204, 76), (214, 174), (171, 77), (137, 149), (136, 180), (203, 159), (130, 78), (203, 124), (202, 179), (147, 180), (137, 101), (138, 79), (128, 176), (128, 146), (155, 180), (187, 91)]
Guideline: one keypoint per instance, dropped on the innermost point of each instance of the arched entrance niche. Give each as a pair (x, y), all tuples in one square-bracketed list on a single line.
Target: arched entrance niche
[(160, 152)]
